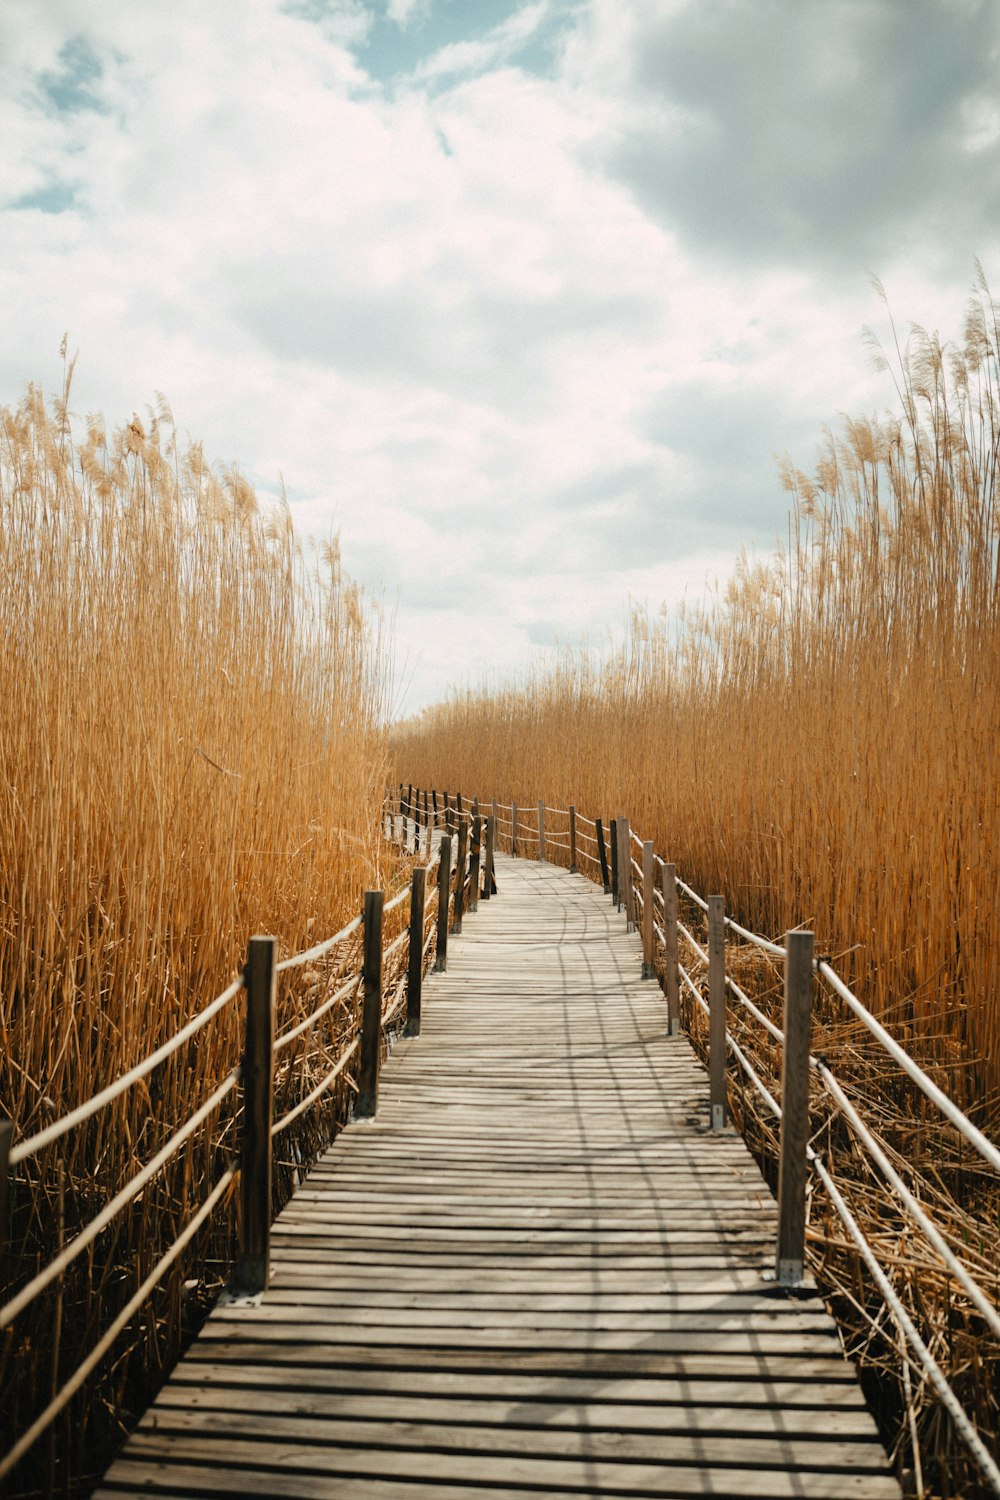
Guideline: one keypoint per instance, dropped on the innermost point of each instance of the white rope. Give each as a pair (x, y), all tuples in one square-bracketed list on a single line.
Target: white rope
[(404, 895), (934, 1373), (744, 999), (320, 1088), (757, 940), (965, 1126), (397, 942), (76, 1380), (700, 951), (298, 959), (297, 1030), (693, 895), (88, 1234), (876, 1150), (114, 1090)]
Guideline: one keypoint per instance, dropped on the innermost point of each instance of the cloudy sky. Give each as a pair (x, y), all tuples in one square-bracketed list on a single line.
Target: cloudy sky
[(521, 296)]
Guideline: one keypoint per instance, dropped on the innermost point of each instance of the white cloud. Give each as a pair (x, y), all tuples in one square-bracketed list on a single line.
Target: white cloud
[(490, 51), (405, 12), (441, 312)]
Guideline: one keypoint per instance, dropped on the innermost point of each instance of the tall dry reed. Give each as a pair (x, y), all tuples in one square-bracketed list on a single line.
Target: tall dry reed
[(192, 749), (819, 742)]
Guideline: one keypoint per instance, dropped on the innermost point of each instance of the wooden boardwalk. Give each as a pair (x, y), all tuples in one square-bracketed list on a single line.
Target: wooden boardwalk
[(535, 1273)]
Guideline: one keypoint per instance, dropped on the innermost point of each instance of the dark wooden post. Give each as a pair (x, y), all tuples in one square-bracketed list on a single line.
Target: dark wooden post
[(434, 796), (366, 1103), (459, 902), (6, 1136), (449, 816), (717, 1010), (444, 894), (603, 855), (513, 830), (416, 824), (489, 884), (648, 934), (794, 1109), (415, 970), (614, 863), (541, 831), (625, 870), (671, 975), (254, 1255), (475, 859), (572, 838)]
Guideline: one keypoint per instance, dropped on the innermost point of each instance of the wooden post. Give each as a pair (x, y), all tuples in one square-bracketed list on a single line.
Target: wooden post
[(670, 944), (416, 824), (434, 809), (475, 860), (415, 970), (541, 831), (449, 816), (6, 1136), (254, 1255), (790, 1258), (444, 894), (489, 884), (513, 831), (614, 863), (625, 870), (603, 855), (459, 903), (572, 838), (717, 1010), (648, 933), (366, 1103)]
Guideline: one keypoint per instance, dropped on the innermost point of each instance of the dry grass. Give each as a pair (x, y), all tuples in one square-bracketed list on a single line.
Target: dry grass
[(819, 744), (191, 750)]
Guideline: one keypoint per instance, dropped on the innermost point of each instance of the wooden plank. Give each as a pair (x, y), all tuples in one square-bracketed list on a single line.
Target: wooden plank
[(537, 1270), (275, 1468)]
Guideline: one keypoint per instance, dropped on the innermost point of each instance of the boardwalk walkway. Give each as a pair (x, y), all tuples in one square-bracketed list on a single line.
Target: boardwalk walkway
[(536, 1272)]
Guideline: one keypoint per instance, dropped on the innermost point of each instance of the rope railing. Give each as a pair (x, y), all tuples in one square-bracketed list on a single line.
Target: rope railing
[(427, 926), (648, 890), (320, 950), (316, 1093), (83, 1371), (90, 1107)]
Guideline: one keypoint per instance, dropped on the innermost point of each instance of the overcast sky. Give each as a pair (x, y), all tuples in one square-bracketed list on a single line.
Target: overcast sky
[(522, 298)]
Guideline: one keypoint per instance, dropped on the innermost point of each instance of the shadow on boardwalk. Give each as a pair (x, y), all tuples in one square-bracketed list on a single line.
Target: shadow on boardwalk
[(535, 1272)]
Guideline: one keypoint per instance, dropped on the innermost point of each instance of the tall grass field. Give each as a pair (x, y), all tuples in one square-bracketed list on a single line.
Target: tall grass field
[(192, 749), (819, 742)]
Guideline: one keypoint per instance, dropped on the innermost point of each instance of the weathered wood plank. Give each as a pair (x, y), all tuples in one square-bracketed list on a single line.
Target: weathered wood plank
[(537, 1270)]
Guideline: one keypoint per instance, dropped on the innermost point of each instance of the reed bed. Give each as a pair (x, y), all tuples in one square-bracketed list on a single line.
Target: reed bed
[(818, 743), (192, 749)]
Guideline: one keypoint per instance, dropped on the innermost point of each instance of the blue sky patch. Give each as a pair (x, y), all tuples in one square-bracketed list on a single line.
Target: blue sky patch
[(53, 198), (390, 51), (74, 85)]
